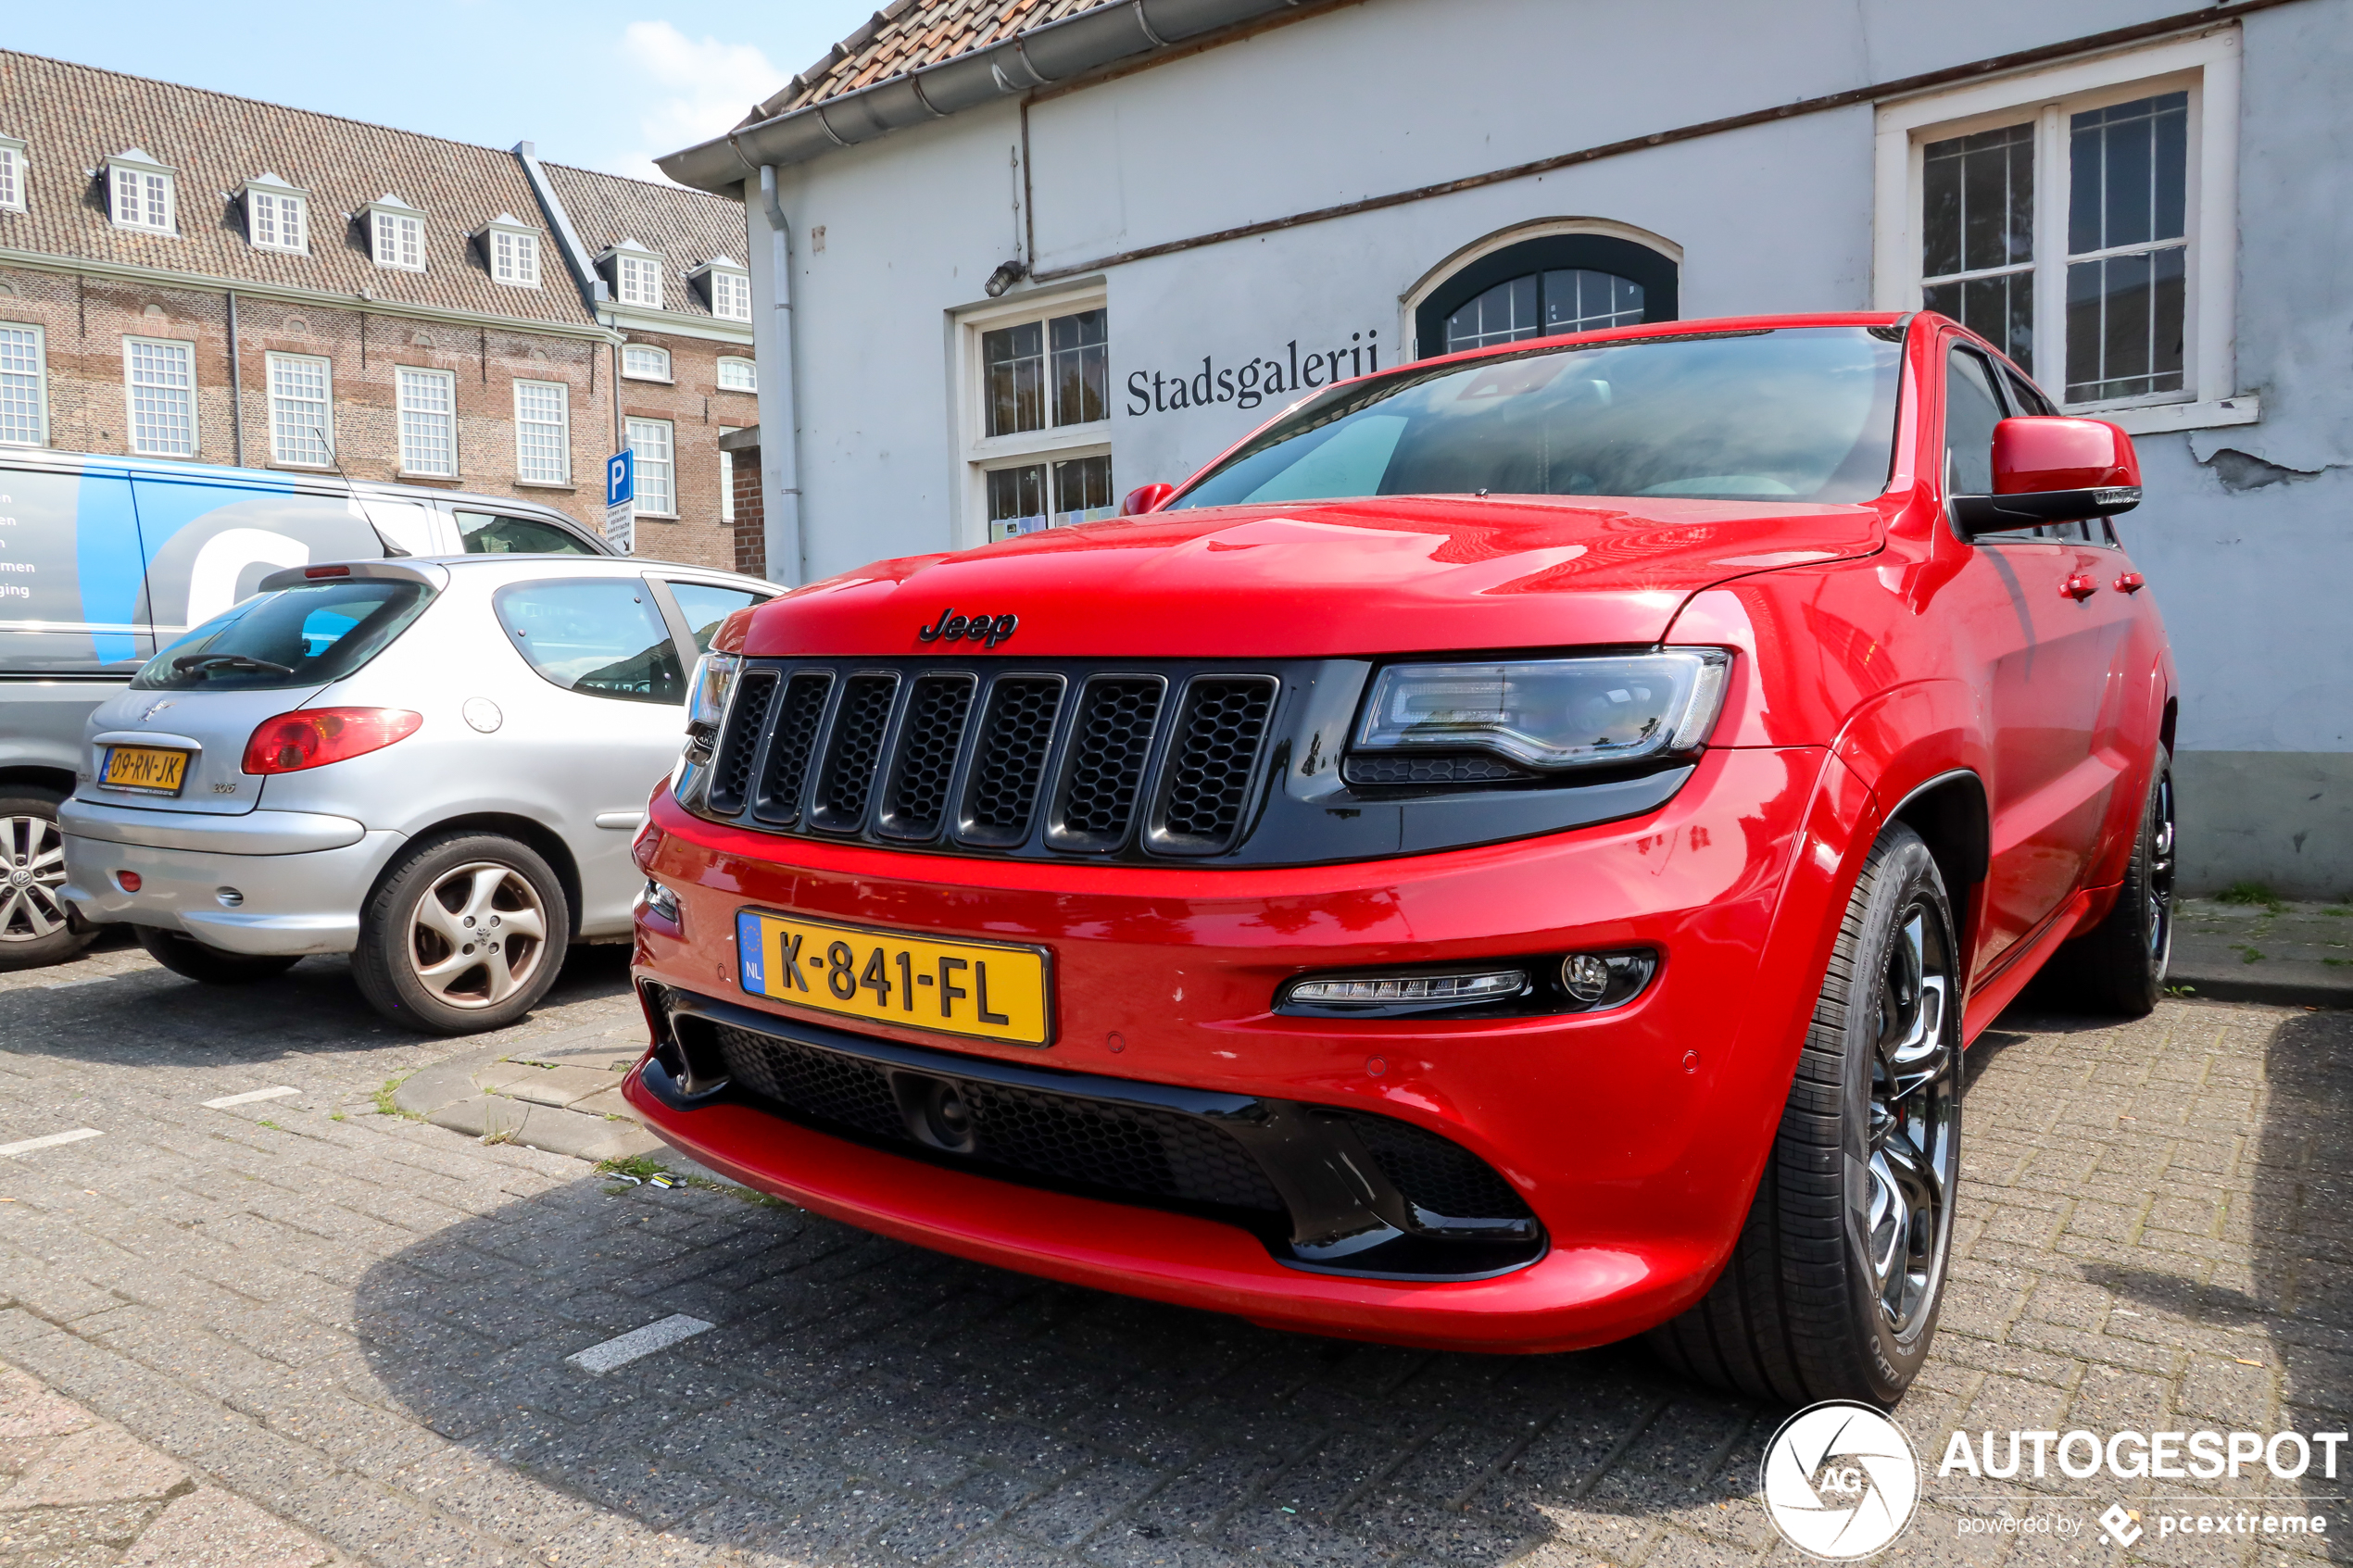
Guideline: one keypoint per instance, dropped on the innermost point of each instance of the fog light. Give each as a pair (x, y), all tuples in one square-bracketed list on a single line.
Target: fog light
[(127, 880), (1596, 981), (1406, 992), (230, 897), (1585, 976)]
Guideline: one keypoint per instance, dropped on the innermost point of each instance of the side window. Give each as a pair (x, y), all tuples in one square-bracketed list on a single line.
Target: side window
[(706, 605), (599, 638), (2023, 395), (487, 535), (1971, 410)]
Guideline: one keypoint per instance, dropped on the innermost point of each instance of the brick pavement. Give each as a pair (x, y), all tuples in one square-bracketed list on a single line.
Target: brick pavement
[(357, 1323)]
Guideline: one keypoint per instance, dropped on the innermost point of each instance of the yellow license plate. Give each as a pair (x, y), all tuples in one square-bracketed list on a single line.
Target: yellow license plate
[(983, 989), (145, 768)]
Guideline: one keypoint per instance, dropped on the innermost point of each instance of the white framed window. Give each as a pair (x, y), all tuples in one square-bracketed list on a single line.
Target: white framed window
[(511, 247), (428, 422), (637, 274), (643, 361), (302, 428), (729, 287), (159, 380), (2080, 218), (656, 466), (277, 216), (12, 174), (543, 433), (1036, 413), (140, 194), (25, 386), (397, 234), (728, 476), (515, 259), (738, 375)]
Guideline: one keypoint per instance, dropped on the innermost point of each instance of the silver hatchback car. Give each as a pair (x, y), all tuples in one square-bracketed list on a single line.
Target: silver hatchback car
[(437, 765)]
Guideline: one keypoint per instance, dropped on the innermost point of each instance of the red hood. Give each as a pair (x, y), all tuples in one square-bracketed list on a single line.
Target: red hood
[(1326, 579)]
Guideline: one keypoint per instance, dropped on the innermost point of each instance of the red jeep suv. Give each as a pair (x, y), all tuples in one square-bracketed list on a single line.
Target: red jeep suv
[(1506, 857)]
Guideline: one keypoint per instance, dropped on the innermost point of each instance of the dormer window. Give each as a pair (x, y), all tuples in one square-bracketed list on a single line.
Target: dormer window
[(728, 287), (397, 234), (637, 274), (277, 215), (11, 174), (140, 194), (512, 249)]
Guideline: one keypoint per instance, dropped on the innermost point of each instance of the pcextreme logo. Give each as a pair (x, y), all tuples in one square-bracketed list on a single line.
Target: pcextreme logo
[(1840, 1480)]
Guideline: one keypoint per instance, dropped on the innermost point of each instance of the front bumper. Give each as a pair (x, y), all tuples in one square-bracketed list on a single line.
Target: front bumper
[(1635, 1137), (275, 904)]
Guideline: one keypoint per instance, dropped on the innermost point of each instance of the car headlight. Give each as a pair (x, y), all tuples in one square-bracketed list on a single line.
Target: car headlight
[(706, 696), (1553, 712)]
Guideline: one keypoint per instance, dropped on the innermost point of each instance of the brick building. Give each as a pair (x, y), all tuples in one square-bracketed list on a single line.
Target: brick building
[(185, 273)]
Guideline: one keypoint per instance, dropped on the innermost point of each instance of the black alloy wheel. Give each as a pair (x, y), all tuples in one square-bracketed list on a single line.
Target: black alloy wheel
[(2117, 968), (1914, 1117), (1833, 1287)]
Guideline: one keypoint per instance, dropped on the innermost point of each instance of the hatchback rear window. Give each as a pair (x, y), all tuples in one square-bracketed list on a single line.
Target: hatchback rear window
[(301, 636)]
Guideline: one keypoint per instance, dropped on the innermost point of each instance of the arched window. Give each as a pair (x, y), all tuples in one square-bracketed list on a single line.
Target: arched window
[(1545, 286)]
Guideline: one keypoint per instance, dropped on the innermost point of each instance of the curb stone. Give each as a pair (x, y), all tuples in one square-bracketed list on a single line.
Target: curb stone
[(2290, 954), (555, 1101)]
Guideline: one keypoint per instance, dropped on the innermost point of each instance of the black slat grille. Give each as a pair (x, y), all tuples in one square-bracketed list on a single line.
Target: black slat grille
[(1141, 1151), (847, 779), (1206, 782), (1109, 747), (1013, 741), (731, 768), (802, 709), (930, 741), (1126, 762)]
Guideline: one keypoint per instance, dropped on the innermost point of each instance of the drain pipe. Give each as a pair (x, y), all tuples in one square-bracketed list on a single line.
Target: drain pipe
[(780, 427), (237, 383)]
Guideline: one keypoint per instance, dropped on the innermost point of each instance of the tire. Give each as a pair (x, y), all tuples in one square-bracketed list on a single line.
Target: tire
[(424, 922), (37, 928), (2117, 967), (186, 955), (1862, 1167)]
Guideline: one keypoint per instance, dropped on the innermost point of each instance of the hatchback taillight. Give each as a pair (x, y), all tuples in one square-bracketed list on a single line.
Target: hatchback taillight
[(312, 737)]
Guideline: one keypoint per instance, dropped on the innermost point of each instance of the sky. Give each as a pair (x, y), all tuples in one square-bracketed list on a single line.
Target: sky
[(602, 83)]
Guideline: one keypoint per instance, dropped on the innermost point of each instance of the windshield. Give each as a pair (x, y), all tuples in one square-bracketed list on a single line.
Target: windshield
[(303, 637), (1784, 414)]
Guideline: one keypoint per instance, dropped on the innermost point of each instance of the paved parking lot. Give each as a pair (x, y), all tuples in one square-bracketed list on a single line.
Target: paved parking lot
[(357, 1323)]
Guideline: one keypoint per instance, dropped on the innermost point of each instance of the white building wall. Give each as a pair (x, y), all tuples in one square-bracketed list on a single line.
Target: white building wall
[(1394, 93)]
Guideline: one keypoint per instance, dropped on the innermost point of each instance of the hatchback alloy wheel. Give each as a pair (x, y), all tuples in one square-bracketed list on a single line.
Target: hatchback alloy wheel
[(1912, 1119), (477, 936)]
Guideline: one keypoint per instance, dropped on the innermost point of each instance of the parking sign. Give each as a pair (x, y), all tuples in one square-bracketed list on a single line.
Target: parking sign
[(621, 478)]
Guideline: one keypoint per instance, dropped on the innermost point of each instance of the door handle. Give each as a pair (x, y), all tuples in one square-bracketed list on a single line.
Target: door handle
[(2080, 587), (2130, 583)]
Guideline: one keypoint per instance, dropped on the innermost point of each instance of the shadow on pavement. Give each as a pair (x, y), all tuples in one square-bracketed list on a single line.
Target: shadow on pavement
[(148, 1016), (856, 1390)]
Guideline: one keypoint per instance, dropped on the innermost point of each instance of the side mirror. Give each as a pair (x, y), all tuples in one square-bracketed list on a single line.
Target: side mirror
[(1145, 498), (2049, 468)]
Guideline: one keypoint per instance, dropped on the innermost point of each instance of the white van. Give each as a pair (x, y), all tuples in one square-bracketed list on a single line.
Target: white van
[(104, 560)]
